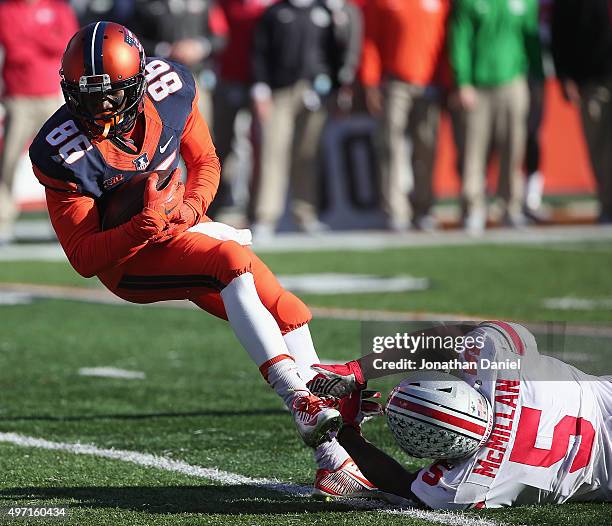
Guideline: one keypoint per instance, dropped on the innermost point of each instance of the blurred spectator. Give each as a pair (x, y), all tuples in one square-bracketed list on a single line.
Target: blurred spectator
[(88, 11), (232, 93), (347, 25), (185, 31), (582, 50), (33, 36), (404, 43), (535, 179), (493, 45), (297, 54)]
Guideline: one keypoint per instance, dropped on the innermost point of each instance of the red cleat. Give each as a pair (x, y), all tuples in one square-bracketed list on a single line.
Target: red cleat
[(347, 481)]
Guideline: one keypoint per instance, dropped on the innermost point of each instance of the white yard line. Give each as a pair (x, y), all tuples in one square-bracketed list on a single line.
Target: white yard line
[(226, 477), (450, 519), (573, 303), (15, 298), (153, 461), (111, 372)]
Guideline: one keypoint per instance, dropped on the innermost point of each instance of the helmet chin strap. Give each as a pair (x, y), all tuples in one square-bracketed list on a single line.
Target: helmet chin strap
[(107, 126), (114, 121)]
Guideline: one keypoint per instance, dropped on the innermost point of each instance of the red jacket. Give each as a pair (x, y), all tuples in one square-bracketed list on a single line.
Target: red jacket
[(241, 16), (34, 36)]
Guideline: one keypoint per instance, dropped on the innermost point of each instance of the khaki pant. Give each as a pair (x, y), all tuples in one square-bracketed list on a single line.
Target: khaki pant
[(24, 117), (412, 110), (289, 154), (500, 116), (596, 113)]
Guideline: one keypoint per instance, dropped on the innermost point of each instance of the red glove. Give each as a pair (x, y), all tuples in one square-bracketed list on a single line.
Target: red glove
[(355, 409), (338, 380), (183, 219), (164, 202)]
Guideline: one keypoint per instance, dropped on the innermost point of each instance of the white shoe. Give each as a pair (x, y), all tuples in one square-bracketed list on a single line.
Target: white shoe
[(346, 481), (475, 223), (315, 418), (534, 190), (263, 232), (427, 223), (514, 221), (399, 226), (313, 227)]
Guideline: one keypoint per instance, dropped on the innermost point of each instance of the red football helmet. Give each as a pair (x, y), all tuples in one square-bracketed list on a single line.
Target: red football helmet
[(103, 79)]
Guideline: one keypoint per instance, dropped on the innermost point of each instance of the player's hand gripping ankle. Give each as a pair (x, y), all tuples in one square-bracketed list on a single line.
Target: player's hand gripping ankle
[(337, 380)]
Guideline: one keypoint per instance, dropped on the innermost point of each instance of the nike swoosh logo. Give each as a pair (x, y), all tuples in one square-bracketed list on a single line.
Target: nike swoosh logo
[(163, 148), (168, 211)]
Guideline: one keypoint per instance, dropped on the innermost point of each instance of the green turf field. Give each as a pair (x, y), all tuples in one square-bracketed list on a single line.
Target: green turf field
[(203, 402), (509, 281)]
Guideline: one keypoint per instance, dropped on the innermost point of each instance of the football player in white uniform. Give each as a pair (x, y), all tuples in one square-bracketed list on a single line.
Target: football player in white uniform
[(539, 431)]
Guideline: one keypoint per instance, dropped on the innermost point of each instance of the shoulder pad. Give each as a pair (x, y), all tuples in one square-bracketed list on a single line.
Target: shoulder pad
[(65, 155)]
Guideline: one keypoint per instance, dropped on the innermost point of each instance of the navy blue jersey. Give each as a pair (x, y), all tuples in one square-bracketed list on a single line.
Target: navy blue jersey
[(64, 154)]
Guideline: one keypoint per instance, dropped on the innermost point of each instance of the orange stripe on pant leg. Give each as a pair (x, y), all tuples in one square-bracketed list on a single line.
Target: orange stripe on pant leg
[(288, 310)]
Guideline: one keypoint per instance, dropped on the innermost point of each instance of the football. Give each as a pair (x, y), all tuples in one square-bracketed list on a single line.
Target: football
[(128, 199)]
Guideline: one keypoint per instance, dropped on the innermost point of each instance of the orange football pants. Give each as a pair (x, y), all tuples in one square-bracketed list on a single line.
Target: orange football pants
[(196, 267)]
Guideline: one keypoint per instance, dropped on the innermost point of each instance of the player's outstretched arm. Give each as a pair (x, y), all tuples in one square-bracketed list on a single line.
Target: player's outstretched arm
[(76, 221), (354, 375), (380, 469)]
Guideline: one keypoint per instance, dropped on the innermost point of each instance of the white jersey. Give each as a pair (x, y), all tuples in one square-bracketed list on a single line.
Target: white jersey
[(552, 435)]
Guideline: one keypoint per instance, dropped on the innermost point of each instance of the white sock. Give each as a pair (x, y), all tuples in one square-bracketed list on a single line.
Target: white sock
[(282, 375), (329, 455), (259, 334), (300, 346)]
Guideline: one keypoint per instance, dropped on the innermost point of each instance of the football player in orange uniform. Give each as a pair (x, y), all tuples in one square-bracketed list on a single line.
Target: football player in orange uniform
[(125, 115)]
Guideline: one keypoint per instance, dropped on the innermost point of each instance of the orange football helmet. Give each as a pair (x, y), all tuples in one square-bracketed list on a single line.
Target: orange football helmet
[(103, 79)]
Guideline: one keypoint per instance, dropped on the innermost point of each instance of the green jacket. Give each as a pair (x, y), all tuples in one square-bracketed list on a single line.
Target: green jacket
[(492, 42)]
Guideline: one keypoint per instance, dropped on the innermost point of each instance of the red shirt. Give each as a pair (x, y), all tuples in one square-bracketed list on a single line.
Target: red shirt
[(242, 17), (34, 36)]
